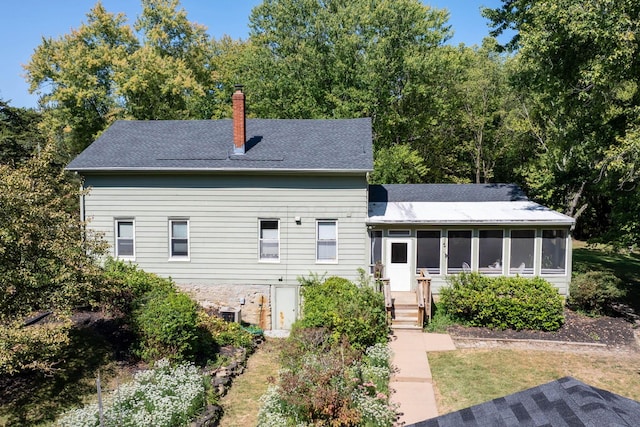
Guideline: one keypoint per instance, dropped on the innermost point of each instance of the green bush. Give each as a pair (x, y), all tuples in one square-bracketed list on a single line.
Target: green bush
[(37, 347), (594, 291), (226, 333), (167, 327), (128, 285), (503, 302), (346, 310)]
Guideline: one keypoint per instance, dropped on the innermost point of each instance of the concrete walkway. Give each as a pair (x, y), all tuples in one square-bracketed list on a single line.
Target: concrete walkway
[(412, 382)]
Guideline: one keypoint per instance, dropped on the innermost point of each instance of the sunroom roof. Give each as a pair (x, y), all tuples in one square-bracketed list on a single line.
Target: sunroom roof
[(466, 213)]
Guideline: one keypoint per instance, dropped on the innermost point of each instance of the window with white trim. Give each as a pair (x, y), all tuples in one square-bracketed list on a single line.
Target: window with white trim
[(327, 241), (179, 238), (125, 239), (269, 240), (554, 251)]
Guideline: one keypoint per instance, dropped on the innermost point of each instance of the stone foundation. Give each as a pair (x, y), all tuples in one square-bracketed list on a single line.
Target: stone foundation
[(256, 309)]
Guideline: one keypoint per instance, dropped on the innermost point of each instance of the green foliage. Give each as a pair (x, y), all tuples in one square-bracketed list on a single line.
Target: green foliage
[(167, 327), (440, 319), (328, 383), (163, 396), (36, 347), (398, 164), (107, 70), (19, 135), (47, 258), (346, 310), (503, 302), (128, 284), (594, 291), (226, 333)]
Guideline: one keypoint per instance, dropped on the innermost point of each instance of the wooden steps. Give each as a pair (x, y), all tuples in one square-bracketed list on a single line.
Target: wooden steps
[(405, 312)]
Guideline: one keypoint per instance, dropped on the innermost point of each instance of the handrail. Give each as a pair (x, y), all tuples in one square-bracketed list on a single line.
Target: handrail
[(386, 287), (423, 294)]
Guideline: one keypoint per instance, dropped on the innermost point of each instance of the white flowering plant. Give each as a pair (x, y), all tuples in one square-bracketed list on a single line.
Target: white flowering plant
[(164, 396)]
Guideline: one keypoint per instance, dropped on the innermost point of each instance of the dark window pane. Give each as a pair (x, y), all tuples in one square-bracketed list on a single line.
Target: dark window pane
[(459, 251), (522, 251), (399, 253), (428, 251), (490, 251)]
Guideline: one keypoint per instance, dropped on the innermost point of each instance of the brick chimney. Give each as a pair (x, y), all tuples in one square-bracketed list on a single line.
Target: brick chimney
[(239, 121)]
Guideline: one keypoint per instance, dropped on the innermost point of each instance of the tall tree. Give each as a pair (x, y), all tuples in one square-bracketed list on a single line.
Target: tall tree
[(342, 58), (19, 135), (580, 63), (105, 70), (46, 259)]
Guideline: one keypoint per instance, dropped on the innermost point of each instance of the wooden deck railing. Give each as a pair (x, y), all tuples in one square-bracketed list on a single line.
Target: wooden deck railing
[(423, 295)]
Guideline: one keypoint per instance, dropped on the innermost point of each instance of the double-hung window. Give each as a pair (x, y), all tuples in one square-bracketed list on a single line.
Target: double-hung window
[(327, 241), (179, 238), (125, 239), (269, 240)]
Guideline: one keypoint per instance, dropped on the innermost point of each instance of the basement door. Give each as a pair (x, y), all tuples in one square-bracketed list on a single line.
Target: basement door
[(285, 307), (398, 265)]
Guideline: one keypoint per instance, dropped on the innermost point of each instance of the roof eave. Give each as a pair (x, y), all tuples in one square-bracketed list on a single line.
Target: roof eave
[(558, 223), (114, 170)]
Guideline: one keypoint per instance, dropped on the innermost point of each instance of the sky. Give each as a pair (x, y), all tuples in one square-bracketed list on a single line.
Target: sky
[(24, 23)]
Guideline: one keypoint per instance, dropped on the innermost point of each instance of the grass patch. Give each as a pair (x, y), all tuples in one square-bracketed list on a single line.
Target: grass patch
[(241, 404), (469, 377), (440, 320), (624, 265)]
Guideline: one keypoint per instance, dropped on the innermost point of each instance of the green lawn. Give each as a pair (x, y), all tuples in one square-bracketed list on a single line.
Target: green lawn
[(467, 377), (624, 265)]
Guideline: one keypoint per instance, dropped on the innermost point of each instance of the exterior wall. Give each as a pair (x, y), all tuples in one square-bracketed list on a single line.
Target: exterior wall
[(561, 281), (223, 213)]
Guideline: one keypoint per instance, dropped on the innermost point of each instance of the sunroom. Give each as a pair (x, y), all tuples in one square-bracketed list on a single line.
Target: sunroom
[(444, 229)]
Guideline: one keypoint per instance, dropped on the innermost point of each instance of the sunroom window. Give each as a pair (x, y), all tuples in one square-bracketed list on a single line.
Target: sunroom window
[(428, 251), (490, 251), (554, 250), (522, 251), (459, 251)]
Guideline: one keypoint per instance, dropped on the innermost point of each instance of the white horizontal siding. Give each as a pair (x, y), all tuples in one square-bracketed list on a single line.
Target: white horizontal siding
[(223, 215)]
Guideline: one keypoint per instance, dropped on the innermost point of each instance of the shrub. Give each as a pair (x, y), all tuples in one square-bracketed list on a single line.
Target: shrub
[(128, 285), (593, 292), (503, 302), (225, 333), (36, 347), (167, 326), (325, 383), (346, 310), (160, 397)]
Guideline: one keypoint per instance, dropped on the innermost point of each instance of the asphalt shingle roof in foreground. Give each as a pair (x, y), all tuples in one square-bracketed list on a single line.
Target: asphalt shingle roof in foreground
[(566, 402), (281, 145)]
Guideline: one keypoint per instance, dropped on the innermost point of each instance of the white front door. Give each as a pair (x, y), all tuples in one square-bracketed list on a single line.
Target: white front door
[(398, 264)]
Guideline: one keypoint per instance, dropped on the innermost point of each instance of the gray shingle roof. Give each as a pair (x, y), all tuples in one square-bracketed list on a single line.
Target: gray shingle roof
[(446, 193), (284, 145), (566, 402)]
